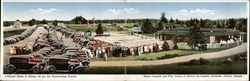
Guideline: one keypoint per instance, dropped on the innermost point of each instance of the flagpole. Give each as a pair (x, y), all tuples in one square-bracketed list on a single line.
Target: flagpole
[(94, 20)]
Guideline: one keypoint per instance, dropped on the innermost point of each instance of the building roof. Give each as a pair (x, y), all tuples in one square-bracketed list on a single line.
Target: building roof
[(206, 31), (17, 22), (136, 29)]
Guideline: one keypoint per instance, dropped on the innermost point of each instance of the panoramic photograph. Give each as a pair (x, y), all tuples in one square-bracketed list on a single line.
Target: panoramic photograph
[(125, 37)]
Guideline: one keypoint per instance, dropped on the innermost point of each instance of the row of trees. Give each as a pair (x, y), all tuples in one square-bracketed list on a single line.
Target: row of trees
[(224, 23), (150, 26), (121, 20), (34, 21)]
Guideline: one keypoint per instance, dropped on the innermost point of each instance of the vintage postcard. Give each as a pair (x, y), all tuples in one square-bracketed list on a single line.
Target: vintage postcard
[(125, 40)]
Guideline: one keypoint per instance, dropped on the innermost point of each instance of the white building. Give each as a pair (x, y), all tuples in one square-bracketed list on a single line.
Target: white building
[(17, 24)]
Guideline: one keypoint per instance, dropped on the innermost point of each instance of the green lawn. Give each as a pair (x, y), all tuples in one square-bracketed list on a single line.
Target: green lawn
[(14, 32), (92, 28), (149, 35), (125, 24), (83, 28), (215, 66)]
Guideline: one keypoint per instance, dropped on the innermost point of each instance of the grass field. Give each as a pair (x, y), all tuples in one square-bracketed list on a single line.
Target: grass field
[(149, 35), (125, 24), (14, 32), (92, 28), (83, 28), (215, 66)]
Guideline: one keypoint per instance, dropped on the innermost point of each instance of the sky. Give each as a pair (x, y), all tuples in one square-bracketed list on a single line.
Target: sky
[(121, 10)]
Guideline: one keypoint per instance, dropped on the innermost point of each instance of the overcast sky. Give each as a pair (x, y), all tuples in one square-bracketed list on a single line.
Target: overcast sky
[(120, 10)]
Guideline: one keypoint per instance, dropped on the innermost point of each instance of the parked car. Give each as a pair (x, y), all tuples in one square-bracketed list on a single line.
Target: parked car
[(32, 62), (68, 64)]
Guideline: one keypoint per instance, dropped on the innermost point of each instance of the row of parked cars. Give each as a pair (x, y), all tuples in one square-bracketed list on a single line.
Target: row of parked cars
[(82, 39), (17, 38), (49, 55)]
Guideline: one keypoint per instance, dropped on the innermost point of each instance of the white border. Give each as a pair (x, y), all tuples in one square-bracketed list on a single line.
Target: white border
[(1, 39), (125, 0), (121, 77)]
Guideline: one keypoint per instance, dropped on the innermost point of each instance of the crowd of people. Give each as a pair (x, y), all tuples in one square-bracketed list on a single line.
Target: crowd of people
[(20, 50), (101, 49), (119, 51)]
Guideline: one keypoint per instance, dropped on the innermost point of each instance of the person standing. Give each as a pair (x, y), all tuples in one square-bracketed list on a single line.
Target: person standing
[(139, 51), (96, 52), (132, 51), (11, 50), (104, 54)]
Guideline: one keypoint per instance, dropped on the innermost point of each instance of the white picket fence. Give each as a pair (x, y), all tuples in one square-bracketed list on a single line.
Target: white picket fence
[(184, 45)]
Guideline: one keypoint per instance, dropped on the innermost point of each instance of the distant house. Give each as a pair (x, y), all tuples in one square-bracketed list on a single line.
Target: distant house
[(111, 24), (17, 24), (79, 20), (136, 28), (61, 25)]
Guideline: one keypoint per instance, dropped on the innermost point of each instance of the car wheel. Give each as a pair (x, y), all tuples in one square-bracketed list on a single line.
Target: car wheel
[(9, 69), (80, 70), (71, 68), (35, 70), (51, 69)]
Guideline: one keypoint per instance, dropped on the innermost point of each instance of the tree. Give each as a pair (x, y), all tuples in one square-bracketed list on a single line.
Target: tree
[(176, 40), (231, 23), (160, 25), (171, 20), (7, 23), (196, 37), (55, 23), (44, 21), (223, 24), (177, 21), (147, 26), (202, 23), (242, 24), (196, 20), (32, 22), (209, 23), (99, 30), (162, 21), (218, 25), (190, 23), (239, 25), (165, 46), (163, 18)]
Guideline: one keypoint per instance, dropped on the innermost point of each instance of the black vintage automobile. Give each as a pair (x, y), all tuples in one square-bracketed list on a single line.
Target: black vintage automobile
[(69, 64), (32, 63)]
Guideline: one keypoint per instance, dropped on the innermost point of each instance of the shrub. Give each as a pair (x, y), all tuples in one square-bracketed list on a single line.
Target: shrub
[(175, 46), (236, 58), (200, 61), (240, 57), (99, 30), (193, 62), (203, 61), (165, 46), (169, 56)]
